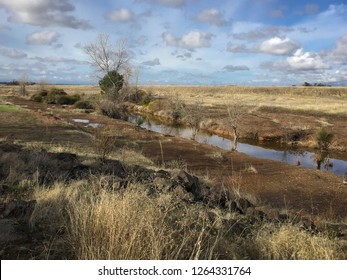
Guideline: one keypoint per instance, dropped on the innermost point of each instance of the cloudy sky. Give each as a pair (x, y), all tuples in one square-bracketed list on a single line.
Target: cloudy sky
[(246, 42)]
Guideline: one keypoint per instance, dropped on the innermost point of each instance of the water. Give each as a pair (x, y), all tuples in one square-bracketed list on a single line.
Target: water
[(87, 123), (291, 156)]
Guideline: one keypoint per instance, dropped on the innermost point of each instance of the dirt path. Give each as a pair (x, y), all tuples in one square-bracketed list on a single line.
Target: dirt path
[(280, 185)]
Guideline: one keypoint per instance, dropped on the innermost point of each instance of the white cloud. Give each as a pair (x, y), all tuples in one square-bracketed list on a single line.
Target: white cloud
[(339, 54), (262, 32), (43, 13), (120, 15), (234, 68), (169, 3), (278, 46), (211, 16), (173, 3), (153, 62), (306, 61), (12, 53), (191, 40), (43, 38), (238, 48)]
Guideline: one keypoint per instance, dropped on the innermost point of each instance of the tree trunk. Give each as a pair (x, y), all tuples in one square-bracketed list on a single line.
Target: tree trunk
[(236, 138)]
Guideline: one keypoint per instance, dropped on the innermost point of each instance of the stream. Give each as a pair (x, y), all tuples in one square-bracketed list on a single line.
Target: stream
[(293, 156)]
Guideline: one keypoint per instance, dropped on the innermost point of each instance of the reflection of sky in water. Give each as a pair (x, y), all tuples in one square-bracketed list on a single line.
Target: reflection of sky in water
[(306, 159)]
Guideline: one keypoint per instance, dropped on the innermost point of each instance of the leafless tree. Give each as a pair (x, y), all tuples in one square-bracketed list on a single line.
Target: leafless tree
[(105, 57), (23, 81), (236, 110), (193, 115)]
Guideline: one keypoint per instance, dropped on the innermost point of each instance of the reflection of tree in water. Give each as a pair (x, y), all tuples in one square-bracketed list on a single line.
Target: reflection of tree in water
[(297, 154), (294, 153), (323, 160)]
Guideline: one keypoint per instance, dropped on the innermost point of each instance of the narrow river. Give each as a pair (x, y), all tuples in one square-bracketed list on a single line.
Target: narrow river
[(291, 156)]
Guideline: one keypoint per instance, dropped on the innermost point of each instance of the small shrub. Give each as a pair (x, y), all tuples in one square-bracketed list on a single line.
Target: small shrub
[(112, 110), (67, 99), (323, 138), (37, 97), (84, 104), (139, 97), (103, 143), (52, 95), (140, 120)]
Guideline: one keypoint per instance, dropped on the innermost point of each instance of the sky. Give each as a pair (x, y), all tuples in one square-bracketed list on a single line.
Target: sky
[(180, 42)]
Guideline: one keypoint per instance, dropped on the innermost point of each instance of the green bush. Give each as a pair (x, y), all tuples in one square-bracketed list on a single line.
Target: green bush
[(139, 97), (52, 95), (84, 104), (55, 96), (111, 83), (323, 138), (37, 97), (67, 99)]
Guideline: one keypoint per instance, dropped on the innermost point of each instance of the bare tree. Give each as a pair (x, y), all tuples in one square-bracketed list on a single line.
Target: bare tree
[(23, 81), (236, 111), (106, 58), (194, 115)]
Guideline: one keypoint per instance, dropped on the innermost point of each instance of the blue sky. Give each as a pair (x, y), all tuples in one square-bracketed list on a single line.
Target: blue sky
[(245, 42)]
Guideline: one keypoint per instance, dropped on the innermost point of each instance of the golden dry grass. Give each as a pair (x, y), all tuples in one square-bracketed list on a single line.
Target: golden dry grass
[(290, 243), (328, 100), (103, 224)]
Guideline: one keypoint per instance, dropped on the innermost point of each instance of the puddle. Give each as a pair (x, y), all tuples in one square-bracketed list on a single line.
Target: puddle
[(291, 156), (87, 123)]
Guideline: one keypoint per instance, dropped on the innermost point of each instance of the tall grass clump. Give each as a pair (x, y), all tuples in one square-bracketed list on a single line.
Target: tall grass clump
[(288, 242), (105, 224)]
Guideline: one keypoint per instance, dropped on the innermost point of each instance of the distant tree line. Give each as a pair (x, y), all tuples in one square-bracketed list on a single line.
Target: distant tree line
[(306, 84), (16, 83)]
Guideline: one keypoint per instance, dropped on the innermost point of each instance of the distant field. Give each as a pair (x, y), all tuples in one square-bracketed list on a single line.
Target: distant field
[(321, 100), (326, 100)]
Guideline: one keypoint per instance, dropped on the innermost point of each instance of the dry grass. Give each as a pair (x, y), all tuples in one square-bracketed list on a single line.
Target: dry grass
[(84, 220), (290, 243), (102, 224), (329, 100)]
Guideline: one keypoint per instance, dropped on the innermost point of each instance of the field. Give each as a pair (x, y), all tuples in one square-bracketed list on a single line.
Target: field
[(246, 208)]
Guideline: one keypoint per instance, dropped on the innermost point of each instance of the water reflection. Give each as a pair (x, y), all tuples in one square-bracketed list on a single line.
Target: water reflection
[(293, 156)]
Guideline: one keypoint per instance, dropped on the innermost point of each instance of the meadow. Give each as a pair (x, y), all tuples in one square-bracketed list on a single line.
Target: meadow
[(72, 191)]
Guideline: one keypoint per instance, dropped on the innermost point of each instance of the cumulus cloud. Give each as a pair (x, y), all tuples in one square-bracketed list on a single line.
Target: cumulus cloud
[(237, 48), (120, 15), (262, 33), (339, 53), (153, 62), (43, 38), (43, 13), (306, 61), (191, 40), (58, 59), (211, 16), (234, 68), (12, 53), (278, 46), (168, 3)]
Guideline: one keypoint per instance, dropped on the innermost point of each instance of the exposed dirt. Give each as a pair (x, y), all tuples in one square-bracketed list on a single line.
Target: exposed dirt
[(277, 184)]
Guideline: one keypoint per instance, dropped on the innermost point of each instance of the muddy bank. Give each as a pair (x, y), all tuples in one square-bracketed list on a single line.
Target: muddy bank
[(276, 184)]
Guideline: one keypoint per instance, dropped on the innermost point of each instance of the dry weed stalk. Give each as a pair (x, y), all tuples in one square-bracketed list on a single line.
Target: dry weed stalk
[(104, 143)]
